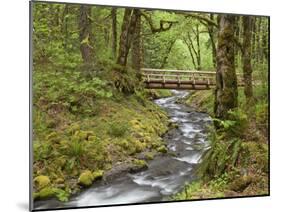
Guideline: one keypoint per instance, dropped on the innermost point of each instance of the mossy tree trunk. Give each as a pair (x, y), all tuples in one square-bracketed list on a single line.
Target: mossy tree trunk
[(136, 44), (127, 32), (114, 31), (226, 81), (212, 36), (247, 66), (85, 34), (165, 58)]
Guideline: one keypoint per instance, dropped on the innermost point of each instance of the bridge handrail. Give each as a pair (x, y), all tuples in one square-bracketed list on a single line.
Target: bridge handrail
[(157, 76), (177, 71)]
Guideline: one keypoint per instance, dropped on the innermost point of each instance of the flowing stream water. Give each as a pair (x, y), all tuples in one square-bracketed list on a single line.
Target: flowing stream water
[(166, 174)]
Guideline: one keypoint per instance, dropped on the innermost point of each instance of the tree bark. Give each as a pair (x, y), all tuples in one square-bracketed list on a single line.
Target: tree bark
[(198, 47), (195, 51), (226, 81), (212, 39), (265, 40), (114, 31), (85, 35), (167, 54), (127, 31), (247, 66), (136, 44), (191, 53)]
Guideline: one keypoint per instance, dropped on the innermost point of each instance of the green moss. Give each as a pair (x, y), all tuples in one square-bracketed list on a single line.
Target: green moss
[(41, 181), (44, 193), (162, 149), (140, 163), (149, 156), (124, 144), (96, 175), (86, 178), (241, 183), (139, 146), (156, 144)]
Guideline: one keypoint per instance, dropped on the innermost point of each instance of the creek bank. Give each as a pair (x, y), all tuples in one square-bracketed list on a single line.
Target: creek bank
[(237, 164), (165, 173), (122, 134)]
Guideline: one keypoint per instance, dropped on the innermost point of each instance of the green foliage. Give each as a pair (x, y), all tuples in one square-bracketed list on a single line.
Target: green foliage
[(235, 125), (68, 89), (220, 157), (118, 129), (61, 195), (220, 183)]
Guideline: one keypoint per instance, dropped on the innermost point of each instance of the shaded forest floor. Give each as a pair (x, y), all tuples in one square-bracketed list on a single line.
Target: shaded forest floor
[(237, 164)]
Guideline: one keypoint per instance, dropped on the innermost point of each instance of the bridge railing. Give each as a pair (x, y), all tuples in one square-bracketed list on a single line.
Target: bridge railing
[(182, 76)]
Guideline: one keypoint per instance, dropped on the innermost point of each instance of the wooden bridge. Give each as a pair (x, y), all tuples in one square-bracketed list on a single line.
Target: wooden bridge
[(181, 79)]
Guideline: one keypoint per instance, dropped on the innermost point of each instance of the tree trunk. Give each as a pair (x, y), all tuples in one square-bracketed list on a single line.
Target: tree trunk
[(265, 40), (190, 52), (213, 43), (171, 44), (226, 82), (85, 35), (247, 67), (136, 44), (114, 31), (253, 44), (127, 31), (258, 41), (198, 47), (193, 52)]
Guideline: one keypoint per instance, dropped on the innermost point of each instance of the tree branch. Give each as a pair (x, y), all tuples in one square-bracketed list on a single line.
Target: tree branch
[(201, 18), (162, 27)]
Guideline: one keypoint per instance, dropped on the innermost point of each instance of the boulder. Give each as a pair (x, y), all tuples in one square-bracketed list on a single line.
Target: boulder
[(86, 178), (41, 181)]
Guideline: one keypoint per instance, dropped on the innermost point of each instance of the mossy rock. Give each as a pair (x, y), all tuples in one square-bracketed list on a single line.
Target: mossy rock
[(241, 183), (41, 181), (162, 149), (97, 174), (149, 156), (44, 193), (86, 178), (140, 164)]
